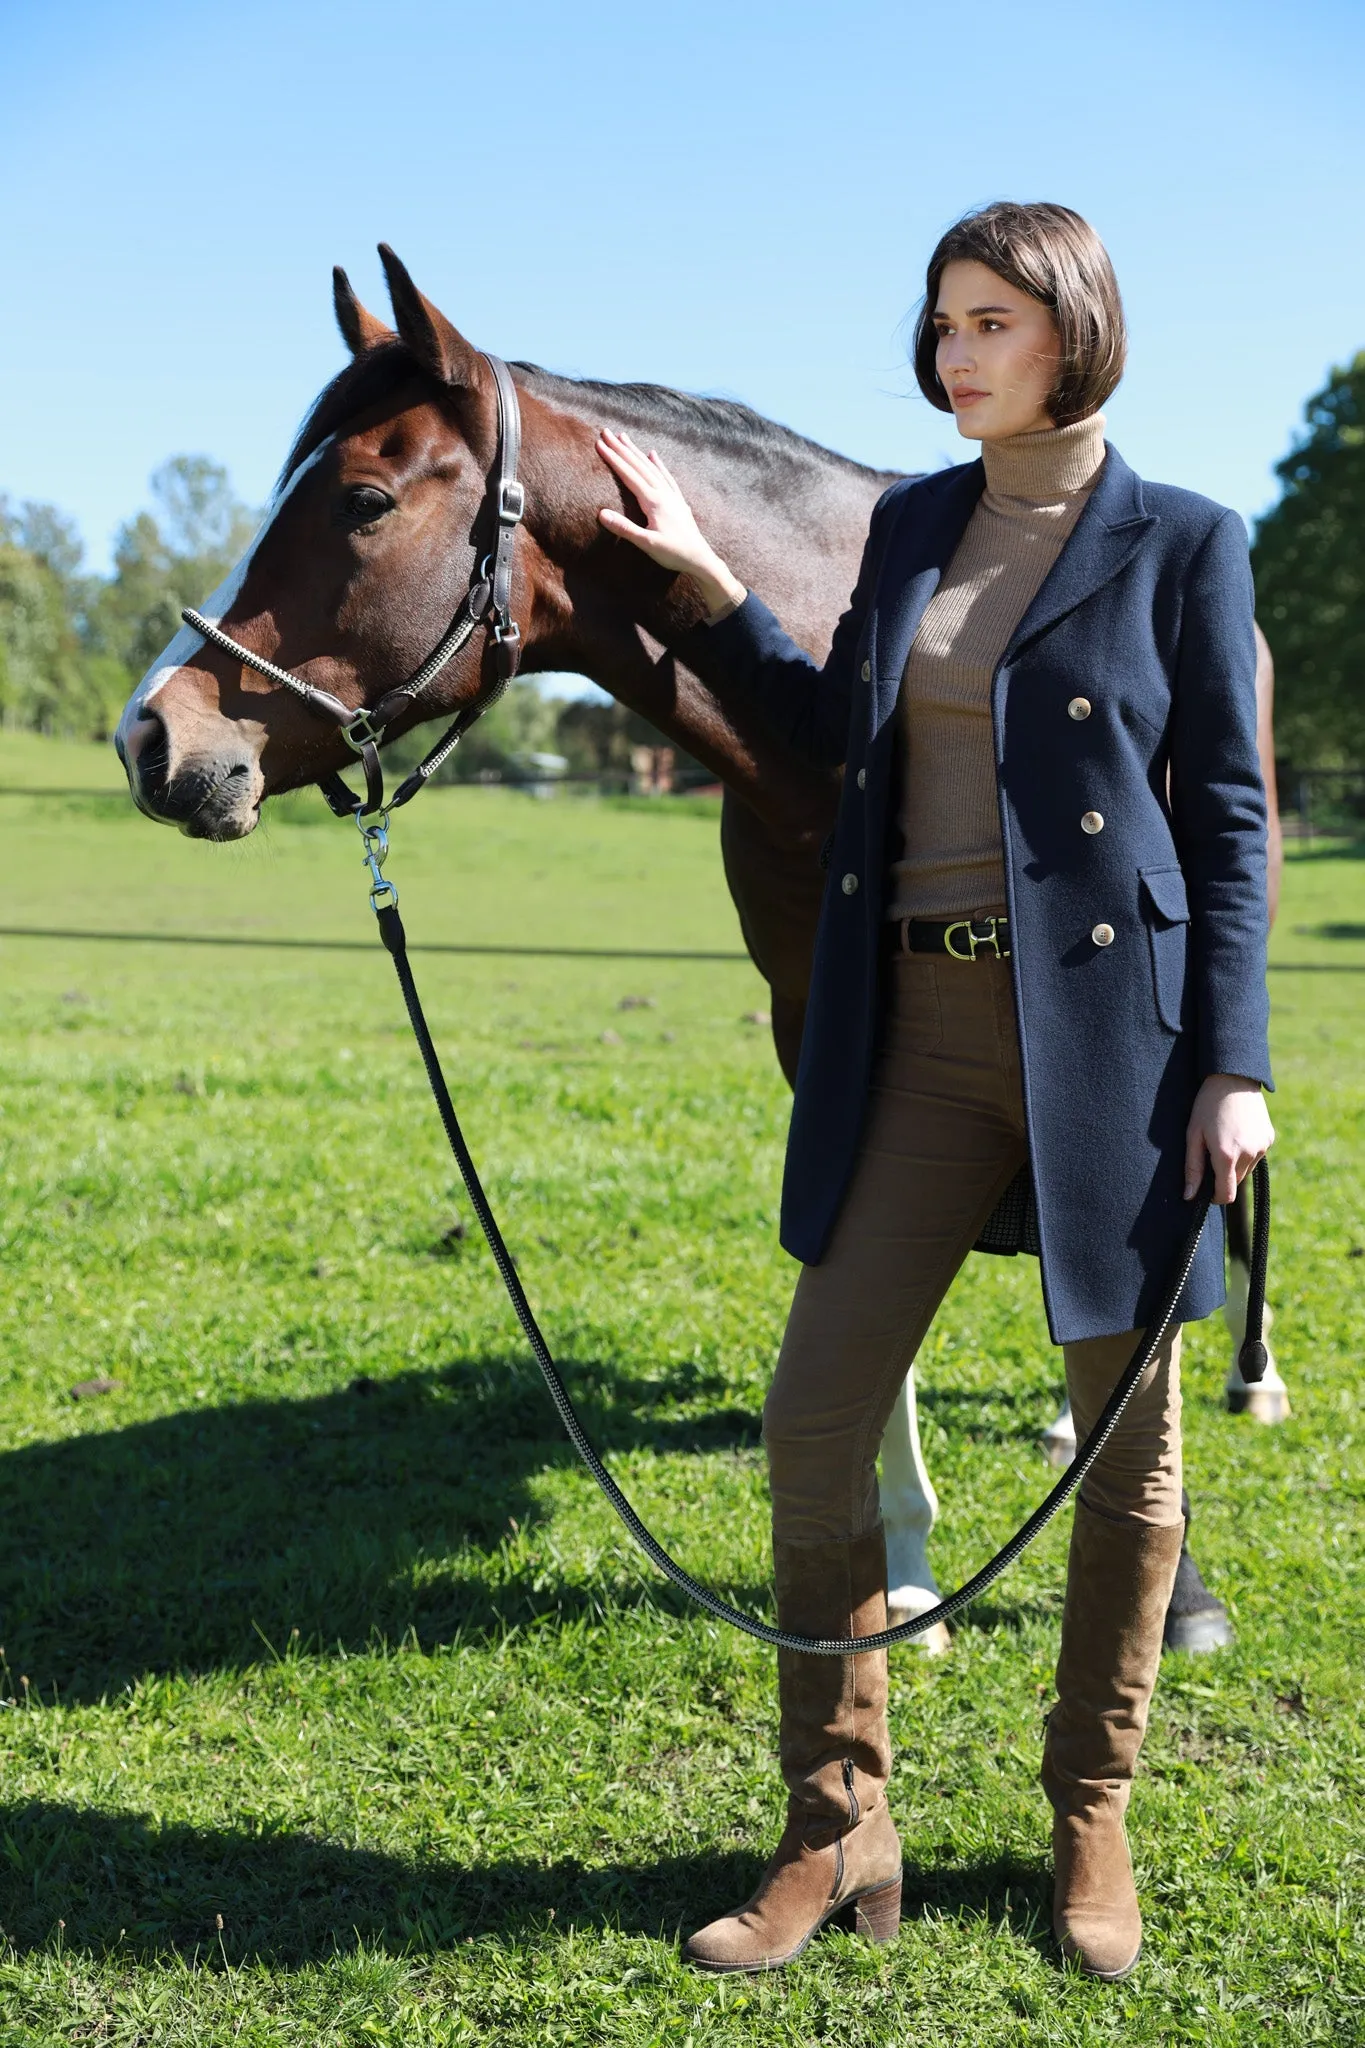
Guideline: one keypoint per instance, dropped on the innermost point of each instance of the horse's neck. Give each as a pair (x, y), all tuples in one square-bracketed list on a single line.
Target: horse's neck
[(790, 522)]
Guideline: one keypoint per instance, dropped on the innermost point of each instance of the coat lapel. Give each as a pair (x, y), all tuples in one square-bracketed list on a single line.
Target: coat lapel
[(1108, 534), (932, 523)]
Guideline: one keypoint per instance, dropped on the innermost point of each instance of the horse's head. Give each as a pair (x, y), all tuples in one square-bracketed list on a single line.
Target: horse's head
[(366, 550)]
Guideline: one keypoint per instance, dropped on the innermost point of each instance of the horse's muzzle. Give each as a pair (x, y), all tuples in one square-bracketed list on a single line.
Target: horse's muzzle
[(208, 797)]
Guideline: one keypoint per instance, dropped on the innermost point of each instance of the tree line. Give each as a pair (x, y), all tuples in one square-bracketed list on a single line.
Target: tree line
[(72, 644)]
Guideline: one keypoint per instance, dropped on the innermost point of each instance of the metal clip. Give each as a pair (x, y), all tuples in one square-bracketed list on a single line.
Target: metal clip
[(375, 838), (511, 503)]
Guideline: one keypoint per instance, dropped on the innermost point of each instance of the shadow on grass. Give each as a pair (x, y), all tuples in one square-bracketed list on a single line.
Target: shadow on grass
[(122, 1885), (177, 1545), (983, 1415)]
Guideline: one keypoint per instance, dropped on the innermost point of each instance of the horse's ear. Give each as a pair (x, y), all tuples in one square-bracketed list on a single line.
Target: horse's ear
[(360, 329), (437, 345)]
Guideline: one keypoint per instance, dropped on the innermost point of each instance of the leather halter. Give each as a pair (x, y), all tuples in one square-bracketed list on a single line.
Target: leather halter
[(487, 602)]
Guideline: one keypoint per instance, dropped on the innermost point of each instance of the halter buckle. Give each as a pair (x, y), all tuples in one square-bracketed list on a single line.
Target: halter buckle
[(511, 502), (361, 732)]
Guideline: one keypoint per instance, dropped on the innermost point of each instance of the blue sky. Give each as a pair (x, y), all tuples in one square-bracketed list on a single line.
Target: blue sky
[(731, 197)]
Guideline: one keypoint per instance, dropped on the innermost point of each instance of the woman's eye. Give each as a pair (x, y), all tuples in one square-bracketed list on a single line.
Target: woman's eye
[(365, 504)]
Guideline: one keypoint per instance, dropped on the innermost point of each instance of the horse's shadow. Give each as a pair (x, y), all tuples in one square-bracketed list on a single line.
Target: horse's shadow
[(193, 1542), (120, 1884), (984, 1415)]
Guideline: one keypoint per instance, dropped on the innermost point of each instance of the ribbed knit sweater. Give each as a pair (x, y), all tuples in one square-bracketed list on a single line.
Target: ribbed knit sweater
[(952, 862)]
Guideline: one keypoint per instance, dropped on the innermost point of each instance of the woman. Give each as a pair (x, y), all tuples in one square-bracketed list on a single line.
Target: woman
[(1042, 948)]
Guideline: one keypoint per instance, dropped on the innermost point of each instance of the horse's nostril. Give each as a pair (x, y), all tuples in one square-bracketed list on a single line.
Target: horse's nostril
[(150, 757)]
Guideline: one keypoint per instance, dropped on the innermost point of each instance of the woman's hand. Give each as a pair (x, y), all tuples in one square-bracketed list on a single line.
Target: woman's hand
[(1229, 1128), (670, 535)]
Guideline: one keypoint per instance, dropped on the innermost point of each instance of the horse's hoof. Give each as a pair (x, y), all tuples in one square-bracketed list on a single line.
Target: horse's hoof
[(1195, 1619), (1058, 1450), (1210, 1630), (1262, 1404), (935, 1642), (903, 1603)]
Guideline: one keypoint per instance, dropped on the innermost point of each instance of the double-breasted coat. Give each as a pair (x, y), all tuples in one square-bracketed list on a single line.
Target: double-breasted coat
[(1138, 958)]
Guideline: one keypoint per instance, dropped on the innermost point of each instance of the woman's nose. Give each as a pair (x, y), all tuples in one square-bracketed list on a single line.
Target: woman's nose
[(954, 353)]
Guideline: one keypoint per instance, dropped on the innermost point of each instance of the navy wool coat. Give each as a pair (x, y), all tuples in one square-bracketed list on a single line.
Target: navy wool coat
[(1147, 613)]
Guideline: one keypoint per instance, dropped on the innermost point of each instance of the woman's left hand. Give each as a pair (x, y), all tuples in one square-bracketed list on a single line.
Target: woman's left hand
[(1230, 1129)]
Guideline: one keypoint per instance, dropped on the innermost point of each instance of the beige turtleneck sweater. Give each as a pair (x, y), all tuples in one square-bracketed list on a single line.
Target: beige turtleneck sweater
[(951, 863)]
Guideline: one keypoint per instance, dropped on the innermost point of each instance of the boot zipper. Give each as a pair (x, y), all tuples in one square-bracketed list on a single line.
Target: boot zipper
[(853, 1807)]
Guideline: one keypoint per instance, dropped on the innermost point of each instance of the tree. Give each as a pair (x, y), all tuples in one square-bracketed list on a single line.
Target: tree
[(166, 560), (1309, 562), (72, 645), (51, 680)]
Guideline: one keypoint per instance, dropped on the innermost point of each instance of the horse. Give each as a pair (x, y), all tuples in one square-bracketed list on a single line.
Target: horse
[(373, 536)]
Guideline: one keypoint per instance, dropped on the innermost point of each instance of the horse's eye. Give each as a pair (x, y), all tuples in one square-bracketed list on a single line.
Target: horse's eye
[(365, 504)]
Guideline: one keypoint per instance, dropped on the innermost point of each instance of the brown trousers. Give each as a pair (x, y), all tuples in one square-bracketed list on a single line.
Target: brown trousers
[(944, 1138)]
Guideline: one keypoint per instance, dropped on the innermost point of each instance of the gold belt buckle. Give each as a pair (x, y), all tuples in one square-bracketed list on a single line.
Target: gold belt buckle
[(975, 939)]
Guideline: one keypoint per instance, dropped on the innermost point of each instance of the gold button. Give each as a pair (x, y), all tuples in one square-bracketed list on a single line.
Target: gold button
[(862, 778), (867, 671), (1103, 935), (1092, 823), (1079, 707), (849, 885)]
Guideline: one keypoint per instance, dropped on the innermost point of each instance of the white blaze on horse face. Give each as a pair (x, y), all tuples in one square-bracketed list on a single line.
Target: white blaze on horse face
[(186, 644)]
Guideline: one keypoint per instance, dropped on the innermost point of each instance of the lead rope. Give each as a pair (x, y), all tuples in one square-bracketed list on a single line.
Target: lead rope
[(1252, 1359)]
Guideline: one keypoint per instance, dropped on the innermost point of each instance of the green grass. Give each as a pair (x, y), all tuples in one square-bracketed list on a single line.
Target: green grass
[(314, 1625)]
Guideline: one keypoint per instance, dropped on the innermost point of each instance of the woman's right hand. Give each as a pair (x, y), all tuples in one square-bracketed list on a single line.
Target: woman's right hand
[(670, 535)]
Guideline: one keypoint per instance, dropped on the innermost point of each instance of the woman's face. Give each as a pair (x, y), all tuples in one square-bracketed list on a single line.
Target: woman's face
[(998, 353)]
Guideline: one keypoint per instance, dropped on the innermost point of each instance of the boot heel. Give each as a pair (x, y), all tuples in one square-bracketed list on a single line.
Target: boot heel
[(877, 1915)]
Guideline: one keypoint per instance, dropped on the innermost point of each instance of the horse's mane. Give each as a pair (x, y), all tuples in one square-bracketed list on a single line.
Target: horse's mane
[(719, 423), (649, 409)]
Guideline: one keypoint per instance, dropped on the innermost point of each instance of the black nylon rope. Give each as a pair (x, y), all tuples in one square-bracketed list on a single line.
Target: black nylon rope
[(392, 933)]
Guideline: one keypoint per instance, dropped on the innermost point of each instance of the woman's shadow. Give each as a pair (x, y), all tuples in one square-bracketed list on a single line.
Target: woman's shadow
[(120, 1884)]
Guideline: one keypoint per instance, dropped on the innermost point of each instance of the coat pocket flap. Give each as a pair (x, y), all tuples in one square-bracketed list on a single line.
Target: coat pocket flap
[(1166, 889)]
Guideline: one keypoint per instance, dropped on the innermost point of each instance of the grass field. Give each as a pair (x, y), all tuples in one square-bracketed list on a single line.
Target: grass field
[(336, 1706)]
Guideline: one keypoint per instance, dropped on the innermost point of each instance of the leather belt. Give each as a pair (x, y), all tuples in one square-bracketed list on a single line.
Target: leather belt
[(961, 938)]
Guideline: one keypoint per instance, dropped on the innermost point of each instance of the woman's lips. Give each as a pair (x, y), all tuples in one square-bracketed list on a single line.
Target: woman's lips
[(968, 397)]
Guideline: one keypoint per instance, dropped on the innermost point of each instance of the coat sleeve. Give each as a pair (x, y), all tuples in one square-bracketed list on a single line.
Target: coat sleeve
[(808, 704), (1219, 806)]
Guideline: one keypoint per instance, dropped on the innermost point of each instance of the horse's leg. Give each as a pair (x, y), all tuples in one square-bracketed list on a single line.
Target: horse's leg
[(909, 1510), (1268, 1400), (777, 892), (1195, 1620), (1059, 1438)]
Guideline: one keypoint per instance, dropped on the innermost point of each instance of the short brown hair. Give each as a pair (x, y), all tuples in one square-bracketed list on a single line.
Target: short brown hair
[(1056, 257)]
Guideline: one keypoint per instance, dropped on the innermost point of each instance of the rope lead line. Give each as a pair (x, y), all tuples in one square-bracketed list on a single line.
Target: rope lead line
[(391, 931)]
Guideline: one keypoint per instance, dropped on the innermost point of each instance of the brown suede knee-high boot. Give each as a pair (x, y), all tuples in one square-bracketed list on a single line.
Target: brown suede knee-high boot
[(1118, 1584), (839, 1856)]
